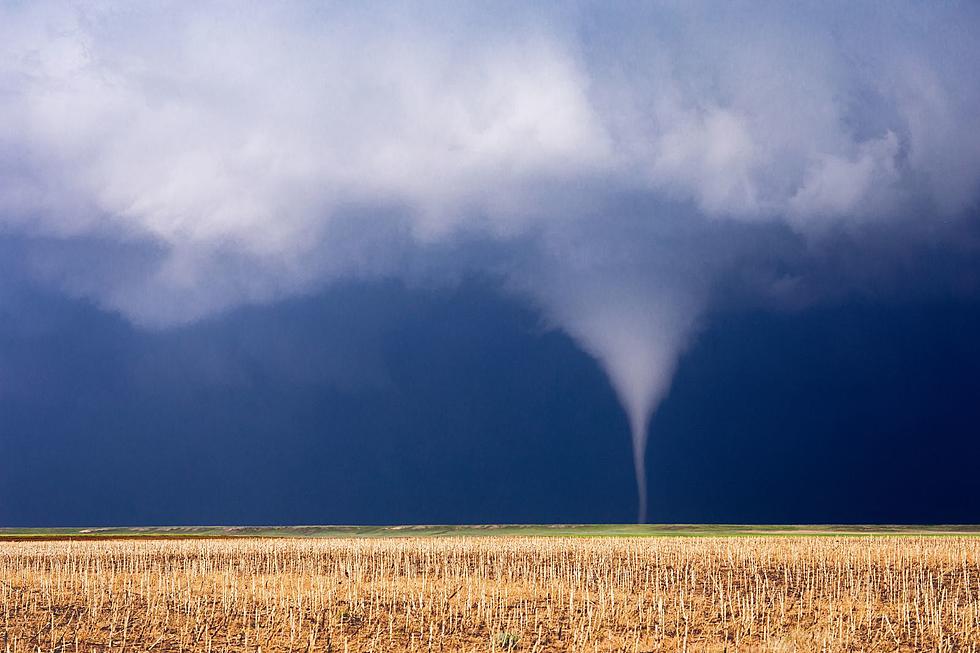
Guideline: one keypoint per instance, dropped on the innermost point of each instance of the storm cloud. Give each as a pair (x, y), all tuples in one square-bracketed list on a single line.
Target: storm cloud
[(623, 169)]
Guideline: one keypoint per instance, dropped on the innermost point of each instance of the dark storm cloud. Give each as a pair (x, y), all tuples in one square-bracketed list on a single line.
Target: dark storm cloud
[(620, 167)]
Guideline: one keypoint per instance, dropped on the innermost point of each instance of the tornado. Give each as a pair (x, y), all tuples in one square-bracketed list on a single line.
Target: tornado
[(635, 322), (639, 354)]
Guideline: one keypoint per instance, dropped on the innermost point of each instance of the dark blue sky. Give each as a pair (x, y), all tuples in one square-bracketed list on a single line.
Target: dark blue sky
[(372, 403)]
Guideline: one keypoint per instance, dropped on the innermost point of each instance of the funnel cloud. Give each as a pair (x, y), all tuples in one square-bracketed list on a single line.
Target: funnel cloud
[(638, 343), (625, 170)]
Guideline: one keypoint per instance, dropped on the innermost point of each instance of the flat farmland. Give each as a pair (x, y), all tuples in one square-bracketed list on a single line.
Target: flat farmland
[(785, 592)]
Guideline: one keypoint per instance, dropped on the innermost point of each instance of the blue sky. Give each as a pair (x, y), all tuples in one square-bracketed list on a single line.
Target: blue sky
[(433, 263), (464, 410)]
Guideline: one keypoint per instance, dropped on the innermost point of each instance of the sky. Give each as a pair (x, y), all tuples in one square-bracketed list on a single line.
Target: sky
[(426, 263)]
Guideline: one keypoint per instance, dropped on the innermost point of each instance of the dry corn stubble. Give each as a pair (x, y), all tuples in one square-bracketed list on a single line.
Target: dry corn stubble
[(492, 594)]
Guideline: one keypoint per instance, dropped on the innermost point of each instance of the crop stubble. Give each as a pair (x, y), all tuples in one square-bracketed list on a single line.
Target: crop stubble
[(492, 594)]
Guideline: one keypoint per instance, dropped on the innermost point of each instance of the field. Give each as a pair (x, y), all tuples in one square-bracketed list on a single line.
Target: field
[(800, 589), (488, 530)]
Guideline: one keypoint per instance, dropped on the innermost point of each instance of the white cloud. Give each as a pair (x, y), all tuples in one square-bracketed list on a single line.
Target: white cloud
[(838, 187), (211, 128)]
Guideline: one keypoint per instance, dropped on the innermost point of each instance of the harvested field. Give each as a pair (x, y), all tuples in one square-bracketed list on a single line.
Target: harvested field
[(493, 594)]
